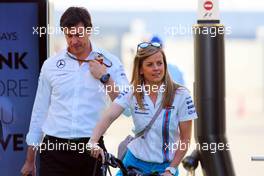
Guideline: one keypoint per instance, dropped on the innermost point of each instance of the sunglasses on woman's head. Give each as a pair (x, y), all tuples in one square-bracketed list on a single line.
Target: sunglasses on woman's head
[(147, 44)]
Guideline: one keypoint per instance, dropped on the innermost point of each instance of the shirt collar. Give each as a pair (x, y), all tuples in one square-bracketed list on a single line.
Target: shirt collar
[(94, 51)]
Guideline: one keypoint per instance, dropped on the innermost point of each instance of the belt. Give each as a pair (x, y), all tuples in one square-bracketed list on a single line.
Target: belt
[(63, 140)]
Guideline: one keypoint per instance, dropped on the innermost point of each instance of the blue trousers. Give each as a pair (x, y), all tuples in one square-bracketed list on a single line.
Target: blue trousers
[(145, 167)]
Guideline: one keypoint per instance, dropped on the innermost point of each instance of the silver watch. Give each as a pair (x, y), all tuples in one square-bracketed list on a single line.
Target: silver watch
[(172, 170)]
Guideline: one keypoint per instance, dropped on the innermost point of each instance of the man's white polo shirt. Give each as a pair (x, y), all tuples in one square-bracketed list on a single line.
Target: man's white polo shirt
[(69, 100), (157, 145)]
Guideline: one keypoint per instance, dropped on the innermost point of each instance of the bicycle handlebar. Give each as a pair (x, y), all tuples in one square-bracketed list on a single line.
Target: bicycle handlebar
[(111, 160)]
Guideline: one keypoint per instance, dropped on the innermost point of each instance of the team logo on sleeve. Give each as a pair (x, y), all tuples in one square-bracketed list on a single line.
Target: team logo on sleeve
[(192, 111), (61, 63), (188, 102), (190, 106), (121, 94)]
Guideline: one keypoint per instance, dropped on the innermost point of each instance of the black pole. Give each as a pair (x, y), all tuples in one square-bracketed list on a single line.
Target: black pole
[(210, 128)]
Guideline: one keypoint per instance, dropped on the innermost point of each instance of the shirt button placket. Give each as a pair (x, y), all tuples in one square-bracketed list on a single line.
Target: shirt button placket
[(75, 102)]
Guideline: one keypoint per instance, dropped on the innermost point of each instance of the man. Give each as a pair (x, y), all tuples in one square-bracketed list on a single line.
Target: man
[(69, 101)]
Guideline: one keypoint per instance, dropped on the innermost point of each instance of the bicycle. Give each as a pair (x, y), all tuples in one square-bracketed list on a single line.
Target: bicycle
[(111, 160)]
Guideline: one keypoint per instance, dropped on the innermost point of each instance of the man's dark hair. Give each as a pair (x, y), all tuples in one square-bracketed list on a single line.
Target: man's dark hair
[(75, 15)]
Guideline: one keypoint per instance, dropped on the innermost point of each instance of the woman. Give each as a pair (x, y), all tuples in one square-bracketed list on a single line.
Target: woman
[(152, 87)]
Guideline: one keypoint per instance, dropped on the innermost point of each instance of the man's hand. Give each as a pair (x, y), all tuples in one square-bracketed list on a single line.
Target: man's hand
[(29, 168), (96, 68)]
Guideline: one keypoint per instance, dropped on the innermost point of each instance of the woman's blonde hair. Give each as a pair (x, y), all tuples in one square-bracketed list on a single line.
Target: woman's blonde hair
[(138, 80)]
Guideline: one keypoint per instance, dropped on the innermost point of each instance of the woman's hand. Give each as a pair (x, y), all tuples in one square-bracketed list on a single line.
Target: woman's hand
[(167, 173), (96, 151)]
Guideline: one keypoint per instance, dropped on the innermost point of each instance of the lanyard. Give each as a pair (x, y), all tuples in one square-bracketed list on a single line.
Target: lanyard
[(102, 59)]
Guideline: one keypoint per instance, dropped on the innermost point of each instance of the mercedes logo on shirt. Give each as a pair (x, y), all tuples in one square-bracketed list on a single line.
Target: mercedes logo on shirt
[(60, 63)]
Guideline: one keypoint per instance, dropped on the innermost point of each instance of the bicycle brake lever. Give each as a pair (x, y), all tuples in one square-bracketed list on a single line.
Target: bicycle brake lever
[(110, 159)]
